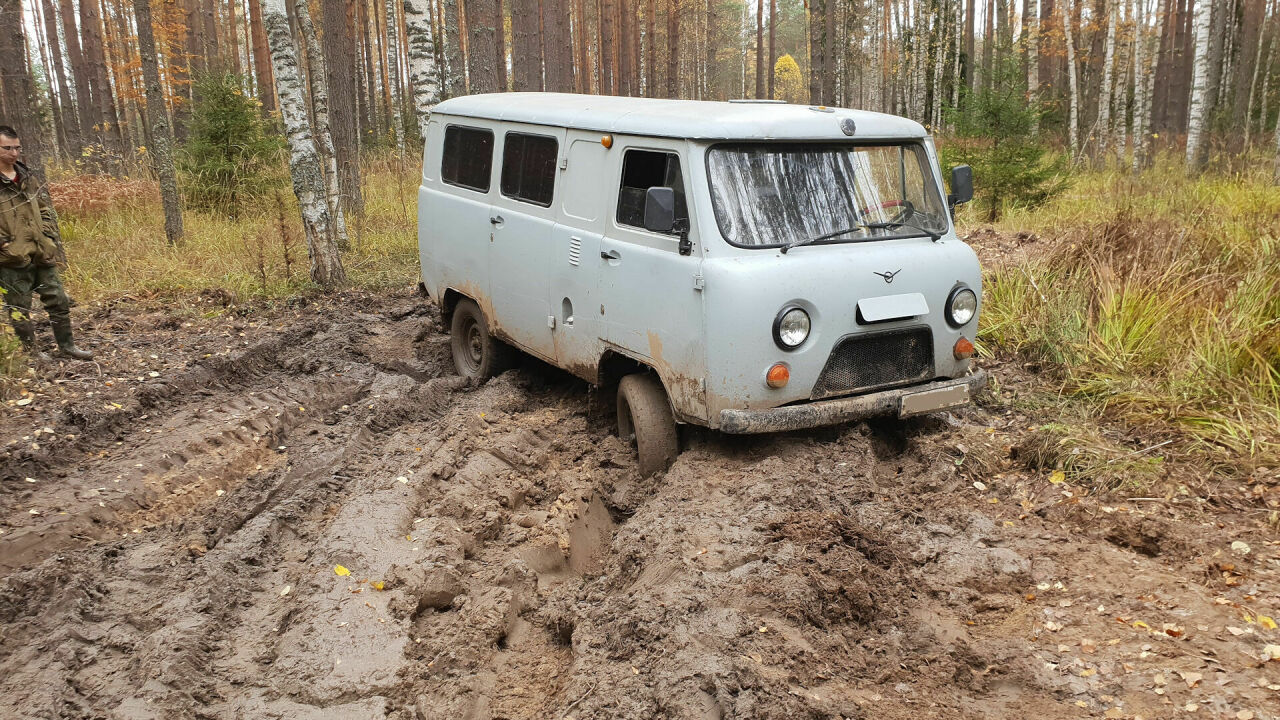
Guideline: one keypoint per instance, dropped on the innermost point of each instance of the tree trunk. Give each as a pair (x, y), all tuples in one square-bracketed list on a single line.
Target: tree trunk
[(1197, 148), (1246, 75), (452, 52), (558, 44), (1141, 94), (626, 48), (759, 48), (607, 47), (773, 46), (158, 125), (829, 52), (482, 45), (104, 101), (817, 47), (1104, 94), (338, 43), (304, 161), (526, 47), (318, 77), (650, 51), (1073, 121), (988, 43), (1276, 173), (70, 120), (500, 47), (422, 58), (673, 48), (262, 59), (969, 44)]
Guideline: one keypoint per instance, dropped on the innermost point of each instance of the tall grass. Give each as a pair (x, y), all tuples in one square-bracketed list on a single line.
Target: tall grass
[(117, 246), (1158, 305)]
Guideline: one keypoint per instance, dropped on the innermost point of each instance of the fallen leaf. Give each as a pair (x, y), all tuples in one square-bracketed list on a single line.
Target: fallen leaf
[(24, 401), (1088, 646), (1234, 630), (1191, 678), (1141, 625), (339, 570), (1240, 547), (377, 584), (1088, 672), (1244, 715), (1113, 714), (286, 590), (1266, 622), (1191, 707), (1053, 626), (1271, 652), (1058, 477), (1159, 679), (979, 485)]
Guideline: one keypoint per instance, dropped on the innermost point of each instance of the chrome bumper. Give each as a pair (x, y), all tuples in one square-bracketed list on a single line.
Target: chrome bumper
[(840, 410)]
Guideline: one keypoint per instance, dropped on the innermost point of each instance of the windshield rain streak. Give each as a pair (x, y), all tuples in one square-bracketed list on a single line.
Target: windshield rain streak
[(777, 195)]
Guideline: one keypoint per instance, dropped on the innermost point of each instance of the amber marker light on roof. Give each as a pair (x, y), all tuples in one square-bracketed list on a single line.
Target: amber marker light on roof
[(606, 141), (777, 376), (963, 349)]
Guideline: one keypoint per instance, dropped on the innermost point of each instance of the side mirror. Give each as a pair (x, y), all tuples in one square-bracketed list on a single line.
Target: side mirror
[(961, 185), (659, 209)]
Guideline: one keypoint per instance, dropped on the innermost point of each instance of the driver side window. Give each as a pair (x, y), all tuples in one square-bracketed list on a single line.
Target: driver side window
[(641, 170)]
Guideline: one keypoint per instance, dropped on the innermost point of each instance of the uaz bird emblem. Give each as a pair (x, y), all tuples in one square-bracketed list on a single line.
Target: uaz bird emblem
[(888, 276)]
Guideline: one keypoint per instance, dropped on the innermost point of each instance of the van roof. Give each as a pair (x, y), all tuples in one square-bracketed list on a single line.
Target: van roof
[(691, 119)]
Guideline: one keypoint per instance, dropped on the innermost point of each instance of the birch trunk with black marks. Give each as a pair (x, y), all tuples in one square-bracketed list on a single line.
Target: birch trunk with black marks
[(318, 222), (422, 60), (319, 86), (1141, 93), (158, 125), (1108, 71), (1073, 120), (1197, 148)]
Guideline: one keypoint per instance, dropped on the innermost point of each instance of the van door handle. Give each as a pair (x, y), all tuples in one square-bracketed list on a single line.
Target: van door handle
[(610, 255), (495, 219)]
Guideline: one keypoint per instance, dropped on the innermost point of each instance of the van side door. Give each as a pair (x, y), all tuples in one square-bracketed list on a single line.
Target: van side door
[(521, 219), (651, 293), (582, 208)]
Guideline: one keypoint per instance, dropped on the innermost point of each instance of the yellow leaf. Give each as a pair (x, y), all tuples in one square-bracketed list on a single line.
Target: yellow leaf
[(1058, 477), (377, 584), (1141, 625), (339, 570), (1266, 622)]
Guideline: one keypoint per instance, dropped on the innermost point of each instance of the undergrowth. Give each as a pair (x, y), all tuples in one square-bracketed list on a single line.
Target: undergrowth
[(1157, 306)]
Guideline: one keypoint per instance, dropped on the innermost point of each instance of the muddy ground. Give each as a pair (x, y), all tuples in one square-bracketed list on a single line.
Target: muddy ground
[(299, 512)]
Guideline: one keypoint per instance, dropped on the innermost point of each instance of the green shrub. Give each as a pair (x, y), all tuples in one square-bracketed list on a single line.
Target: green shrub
[(995, 133), (231, 156)]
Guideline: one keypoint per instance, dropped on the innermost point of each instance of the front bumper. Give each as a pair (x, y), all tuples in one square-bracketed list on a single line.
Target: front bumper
[(832, 412)]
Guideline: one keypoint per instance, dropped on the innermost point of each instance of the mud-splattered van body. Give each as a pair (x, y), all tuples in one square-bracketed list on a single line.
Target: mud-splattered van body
[(533, 206)]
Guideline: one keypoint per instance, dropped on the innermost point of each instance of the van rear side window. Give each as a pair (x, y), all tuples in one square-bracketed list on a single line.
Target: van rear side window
[(641, 170), (529, 168), (468, 157)]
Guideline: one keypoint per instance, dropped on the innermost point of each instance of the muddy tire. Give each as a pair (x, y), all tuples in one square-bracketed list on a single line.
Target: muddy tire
[(644, 417), (477, 355)]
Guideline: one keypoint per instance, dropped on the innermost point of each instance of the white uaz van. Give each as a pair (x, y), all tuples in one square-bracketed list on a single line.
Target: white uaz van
[(747, 266)]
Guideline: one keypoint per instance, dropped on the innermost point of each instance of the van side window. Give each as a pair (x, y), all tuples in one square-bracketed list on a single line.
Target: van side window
[(641, 170), (529, 168), (468, 157)]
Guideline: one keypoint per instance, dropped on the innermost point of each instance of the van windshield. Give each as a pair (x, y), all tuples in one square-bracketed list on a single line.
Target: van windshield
[(779, 195)]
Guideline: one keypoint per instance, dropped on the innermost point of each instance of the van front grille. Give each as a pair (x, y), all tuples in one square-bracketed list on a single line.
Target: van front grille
[(871, 361)]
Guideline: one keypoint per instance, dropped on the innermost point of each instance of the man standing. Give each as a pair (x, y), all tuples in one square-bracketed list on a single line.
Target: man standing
[(28, 253)]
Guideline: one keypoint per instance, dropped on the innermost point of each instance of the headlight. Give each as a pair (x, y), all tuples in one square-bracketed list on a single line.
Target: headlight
[(961, 306), (791, 328)]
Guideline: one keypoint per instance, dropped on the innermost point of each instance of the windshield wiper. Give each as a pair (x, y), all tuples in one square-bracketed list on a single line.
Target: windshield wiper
[(828, 236), (897, 224), (860, 226)]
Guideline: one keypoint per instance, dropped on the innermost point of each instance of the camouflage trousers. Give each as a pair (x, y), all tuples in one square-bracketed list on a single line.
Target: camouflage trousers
[(19, 284)]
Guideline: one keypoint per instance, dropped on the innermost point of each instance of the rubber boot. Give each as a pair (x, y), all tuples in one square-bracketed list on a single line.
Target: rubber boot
[(27, 335), (67, 346)]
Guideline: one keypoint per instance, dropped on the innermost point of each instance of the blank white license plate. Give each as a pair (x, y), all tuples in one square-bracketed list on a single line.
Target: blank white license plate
[(926, 402)]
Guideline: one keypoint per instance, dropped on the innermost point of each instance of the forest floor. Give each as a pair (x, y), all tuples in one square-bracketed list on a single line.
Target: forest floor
[(297, 511)]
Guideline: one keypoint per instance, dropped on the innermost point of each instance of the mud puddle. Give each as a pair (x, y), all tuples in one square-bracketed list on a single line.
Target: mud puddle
[(316, 520)]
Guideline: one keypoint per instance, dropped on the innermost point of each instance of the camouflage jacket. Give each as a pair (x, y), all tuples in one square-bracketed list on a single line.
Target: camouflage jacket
[(28, 230)]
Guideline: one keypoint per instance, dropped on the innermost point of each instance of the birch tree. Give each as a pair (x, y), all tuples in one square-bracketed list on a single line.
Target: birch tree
[(1104, 94), (1197, 149), (1141, 90), (393, 73), (305, 168), (158, 124), (319, 95), (422, 60), (1073, 99)]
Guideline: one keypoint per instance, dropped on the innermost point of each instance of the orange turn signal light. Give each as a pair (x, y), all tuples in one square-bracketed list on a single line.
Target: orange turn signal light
[(777, 376), (606, 141), (963, 349)]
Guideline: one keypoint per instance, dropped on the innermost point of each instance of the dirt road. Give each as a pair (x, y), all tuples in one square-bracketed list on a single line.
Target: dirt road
[(300, 513)]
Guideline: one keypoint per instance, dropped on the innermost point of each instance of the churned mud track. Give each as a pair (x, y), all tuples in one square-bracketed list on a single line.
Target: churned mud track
[(325, 523)]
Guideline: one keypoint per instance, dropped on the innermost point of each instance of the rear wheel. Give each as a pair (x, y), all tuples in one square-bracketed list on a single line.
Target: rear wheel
[(644, 417), (476, 354)]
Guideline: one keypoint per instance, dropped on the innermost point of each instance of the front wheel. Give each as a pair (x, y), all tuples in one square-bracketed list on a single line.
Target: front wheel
[(477, 355), (644, 416)]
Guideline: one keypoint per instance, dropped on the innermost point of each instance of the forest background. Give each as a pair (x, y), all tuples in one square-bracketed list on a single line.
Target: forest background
[(1128, 150)]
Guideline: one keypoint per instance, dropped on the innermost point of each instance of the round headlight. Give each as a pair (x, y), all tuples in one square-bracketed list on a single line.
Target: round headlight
[(791, 328), (961, 306)]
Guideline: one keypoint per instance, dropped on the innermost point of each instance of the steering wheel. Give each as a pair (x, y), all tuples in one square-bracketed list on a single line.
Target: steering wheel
[(906, 209)]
